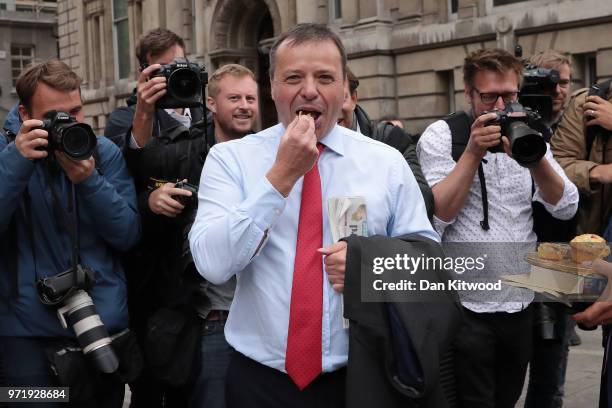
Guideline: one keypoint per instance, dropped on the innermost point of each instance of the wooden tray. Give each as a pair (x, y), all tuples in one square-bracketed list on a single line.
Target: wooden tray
[(566, 265)]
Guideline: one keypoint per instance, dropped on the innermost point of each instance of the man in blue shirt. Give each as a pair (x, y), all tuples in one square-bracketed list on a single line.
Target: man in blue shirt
[(35, 243), (255, 195)]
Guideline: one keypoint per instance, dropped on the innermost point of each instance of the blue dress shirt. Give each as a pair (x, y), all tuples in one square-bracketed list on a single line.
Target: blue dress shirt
[(245, 227)]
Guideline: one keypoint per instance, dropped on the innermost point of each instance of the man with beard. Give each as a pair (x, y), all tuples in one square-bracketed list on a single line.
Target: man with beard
[(232, 99), (162, 147)]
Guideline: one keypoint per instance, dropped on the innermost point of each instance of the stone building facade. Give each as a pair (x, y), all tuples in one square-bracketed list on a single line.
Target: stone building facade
[(28, 31), (407, 53)]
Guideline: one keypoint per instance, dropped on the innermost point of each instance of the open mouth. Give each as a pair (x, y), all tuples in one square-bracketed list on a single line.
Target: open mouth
[(313, 113)]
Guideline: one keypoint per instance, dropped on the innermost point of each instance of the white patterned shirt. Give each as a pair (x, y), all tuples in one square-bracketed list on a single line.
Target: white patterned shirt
[(509, 191)]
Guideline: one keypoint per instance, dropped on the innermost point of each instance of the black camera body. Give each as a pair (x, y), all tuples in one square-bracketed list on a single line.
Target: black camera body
[(191, 201), (537, 80), (539, 86), (517, 123), (68, 292), (184, 84), (77, 140)]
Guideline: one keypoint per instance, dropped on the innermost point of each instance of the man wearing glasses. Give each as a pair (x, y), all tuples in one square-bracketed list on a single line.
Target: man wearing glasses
[(494, 344)]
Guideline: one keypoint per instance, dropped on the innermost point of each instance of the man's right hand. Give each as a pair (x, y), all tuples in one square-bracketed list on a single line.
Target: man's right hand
[(149, 90), (29, 140), (483, 136), (296, 154), (161, 200)]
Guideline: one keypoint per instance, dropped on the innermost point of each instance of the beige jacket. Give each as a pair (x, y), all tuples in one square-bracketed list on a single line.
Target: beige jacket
[(568, 146)]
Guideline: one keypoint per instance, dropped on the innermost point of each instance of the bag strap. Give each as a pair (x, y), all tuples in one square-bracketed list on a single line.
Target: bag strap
[(460, 126)]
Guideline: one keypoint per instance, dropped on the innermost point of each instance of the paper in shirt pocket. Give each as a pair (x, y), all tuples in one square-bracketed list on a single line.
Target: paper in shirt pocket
[(347, 216)]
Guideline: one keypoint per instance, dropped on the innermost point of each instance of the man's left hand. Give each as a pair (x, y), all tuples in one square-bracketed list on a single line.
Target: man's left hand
[(601, 311), (335, 264), (598, 112), (76, 170)]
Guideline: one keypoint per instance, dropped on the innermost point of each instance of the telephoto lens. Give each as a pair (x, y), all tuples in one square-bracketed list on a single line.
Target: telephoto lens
[(80, 313)]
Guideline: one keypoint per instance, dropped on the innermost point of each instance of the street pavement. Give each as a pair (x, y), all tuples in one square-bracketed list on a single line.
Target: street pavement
[(582, 378), (583, 372)]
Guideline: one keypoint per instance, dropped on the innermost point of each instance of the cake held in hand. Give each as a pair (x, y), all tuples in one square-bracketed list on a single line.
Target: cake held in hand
[(589, 247)]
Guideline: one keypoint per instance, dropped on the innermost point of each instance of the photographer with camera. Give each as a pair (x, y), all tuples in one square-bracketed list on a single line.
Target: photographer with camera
[(166, 141), (68, 206), (481, 165)]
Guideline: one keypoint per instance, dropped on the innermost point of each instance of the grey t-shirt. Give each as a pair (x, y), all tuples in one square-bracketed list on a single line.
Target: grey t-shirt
[(215, 297)]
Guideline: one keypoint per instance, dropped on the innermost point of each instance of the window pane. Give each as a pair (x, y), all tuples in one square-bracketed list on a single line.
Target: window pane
[(123, 48), (21, 57), (337, 9), (119, 9), (454, 6)]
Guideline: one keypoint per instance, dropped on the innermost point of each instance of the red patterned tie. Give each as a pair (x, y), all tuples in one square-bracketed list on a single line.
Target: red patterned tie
[(303, 357)]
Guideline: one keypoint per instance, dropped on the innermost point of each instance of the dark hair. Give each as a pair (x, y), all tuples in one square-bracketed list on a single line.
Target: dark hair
[(352, 80), (156, 42), (307, 32), (494, 59), (53, 73)]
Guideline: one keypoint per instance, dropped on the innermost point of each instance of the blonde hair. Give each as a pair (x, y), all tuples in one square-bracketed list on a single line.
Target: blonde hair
[(235, 70), (551, 59)]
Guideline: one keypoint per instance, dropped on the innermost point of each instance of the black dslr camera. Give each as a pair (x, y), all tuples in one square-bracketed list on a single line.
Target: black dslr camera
[(67, 135), (68, 291), (517, 123), (185, 83), (191, 201)]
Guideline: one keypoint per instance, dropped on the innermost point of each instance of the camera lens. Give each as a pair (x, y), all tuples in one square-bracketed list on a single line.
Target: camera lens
[(80, 313), (78, 141), (184, 83), (527, 145)]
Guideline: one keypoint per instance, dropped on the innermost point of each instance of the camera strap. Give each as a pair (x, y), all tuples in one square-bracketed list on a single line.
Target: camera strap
[(11, 237), (460, 125), (70, 225)]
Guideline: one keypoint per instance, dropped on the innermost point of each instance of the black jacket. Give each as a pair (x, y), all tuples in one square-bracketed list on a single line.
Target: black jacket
[(397, 347), (402, 141), (156, 269)]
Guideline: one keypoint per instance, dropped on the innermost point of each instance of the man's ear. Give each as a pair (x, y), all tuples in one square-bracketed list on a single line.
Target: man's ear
[(211, 104), (23, 113), (354, 97)]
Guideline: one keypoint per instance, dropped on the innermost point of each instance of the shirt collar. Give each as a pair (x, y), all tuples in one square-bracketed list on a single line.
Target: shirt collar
[(334, 140)]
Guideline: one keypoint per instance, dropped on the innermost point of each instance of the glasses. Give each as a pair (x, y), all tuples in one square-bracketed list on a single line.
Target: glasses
[(490, 98)]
